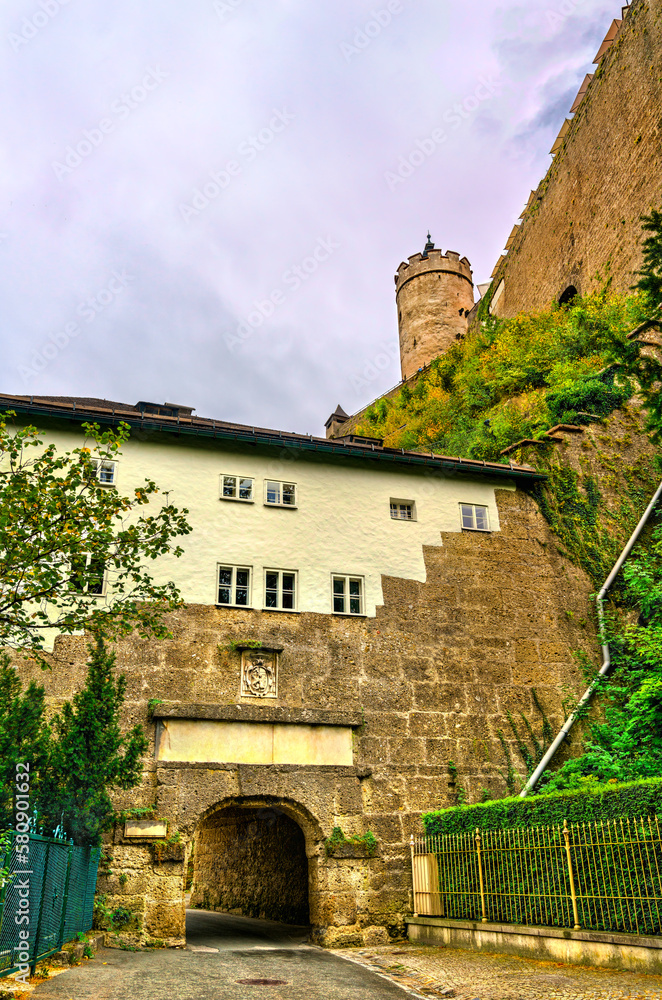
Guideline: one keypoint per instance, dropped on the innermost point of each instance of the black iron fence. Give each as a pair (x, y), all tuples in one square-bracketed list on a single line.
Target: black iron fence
[(46, 899)]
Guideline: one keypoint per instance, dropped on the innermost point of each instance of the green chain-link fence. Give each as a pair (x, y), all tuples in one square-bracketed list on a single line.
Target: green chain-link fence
[(47, 898)]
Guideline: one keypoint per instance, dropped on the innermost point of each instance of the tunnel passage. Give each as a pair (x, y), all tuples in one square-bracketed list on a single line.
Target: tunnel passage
[(252, 861)]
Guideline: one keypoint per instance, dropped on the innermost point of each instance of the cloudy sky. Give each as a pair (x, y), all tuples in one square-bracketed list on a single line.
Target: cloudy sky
[(205, 202)]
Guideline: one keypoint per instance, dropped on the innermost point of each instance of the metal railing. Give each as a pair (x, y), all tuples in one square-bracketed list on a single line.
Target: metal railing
[(603, 875), (52, 884)]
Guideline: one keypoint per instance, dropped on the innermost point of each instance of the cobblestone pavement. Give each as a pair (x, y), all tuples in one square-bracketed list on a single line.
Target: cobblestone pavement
[(451, 972)]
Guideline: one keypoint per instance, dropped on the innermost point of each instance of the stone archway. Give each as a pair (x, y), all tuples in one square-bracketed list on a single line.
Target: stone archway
[(567, 295), (251, 859)]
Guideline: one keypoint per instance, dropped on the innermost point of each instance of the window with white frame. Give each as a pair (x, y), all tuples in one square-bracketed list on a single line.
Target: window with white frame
[(237, 488), (88, 575), (474, 517), (234, 586), (403, 510), (280, 589), (105, 471), (278, 494), (347, 595)]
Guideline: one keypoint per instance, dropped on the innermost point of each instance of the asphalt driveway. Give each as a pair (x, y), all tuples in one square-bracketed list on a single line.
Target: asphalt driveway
[(222, 951)]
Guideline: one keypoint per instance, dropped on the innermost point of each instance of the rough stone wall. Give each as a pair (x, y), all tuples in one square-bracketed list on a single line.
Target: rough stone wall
[(585, 217), (434, 675), (617, 454), (434, 295), (252, 862)]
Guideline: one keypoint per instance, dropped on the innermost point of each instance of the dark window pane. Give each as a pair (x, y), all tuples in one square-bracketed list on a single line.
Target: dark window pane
[(288, 493), (78, 573), (271, 599), (242, 596), (481, 518), (355, 605), (355, 588), (242, 577), (338, 586), (288, 581), (272, 581), (223, 595), (339, 604), (95, 578), (225, 577), (288, 600), (228, 486)]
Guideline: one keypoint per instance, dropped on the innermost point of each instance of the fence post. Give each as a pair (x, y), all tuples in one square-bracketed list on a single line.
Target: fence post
[(70, 852), (566, 837), (41, 909), (480, 875), (413, 872)]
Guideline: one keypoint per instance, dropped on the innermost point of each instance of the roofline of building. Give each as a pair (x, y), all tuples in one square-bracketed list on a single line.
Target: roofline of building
[(200, 427)]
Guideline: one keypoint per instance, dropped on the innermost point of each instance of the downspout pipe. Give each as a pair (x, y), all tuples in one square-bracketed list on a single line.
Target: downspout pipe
[(606, 656)]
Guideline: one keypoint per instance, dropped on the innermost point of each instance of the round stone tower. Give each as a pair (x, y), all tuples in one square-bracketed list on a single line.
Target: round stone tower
[(434, 296)]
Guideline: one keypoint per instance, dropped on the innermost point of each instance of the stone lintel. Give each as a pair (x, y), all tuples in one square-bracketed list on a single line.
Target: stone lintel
[(259, 649), (337, 770), (259, 713)]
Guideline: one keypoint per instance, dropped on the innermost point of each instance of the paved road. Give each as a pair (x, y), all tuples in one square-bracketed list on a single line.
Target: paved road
[(220, 951)]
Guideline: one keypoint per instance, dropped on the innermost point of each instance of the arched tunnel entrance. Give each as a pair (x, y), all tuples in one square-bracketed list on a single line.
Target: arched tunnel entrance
[(251, 861)]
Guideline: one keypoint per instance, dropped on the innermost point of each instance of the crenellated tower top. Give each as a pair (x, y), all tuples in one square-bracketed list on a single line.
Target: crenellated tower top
[(434, 296)]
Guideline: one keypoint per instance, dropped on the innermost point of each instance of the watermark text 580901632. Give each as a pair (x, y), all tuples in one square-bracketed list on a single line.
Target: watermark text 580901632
[(23, 870)]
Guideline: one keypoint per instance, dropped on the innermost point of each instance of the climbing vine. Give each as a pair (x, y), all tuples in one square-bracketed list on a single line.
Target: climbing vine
[(590, 530)]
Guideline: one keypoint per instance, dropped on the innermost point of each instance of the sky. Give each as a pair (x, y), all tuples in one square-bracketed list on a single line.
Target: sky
[(205, 203)]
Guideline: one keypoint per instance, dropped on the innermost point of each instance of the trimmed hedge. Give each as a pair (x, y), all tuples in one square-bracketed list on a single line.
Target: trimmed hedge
[(595, 802)]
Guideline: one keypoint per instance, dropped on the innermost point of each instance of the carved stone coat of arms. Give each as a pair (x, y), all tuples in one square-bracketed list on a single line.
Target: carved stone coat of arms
[(259, 673)]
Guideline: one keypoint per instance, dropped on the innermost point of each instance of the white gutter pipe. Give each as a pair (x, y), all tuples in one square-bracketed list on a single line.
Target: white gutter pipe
[(606, 656)]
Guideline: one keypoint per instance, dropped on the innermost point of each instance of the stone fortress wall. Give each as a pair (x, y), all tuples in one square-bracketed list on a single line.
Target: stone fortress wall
[(582, 224), (429, 679)]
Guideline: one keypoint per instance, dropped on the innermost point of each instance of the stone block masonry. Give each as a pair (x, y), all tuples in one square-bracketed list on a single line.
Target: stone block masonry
[(430, 678), (584, 219)]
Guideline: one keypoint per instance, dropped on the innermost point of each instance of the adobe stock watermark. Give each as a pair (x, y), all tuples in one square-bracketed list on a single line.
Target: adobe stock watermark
[(219, 180), (556, 18), (21, 885), (372, 369), (120, 109), (88, 309), (36, 22), (226, 7), (455, 116), (365, 35), (293, 279)]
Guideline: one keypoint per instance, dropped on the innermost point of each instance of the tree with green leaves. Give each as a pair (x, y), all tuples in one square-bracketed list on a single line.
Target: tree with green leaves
[(78, 757), (635, 356), (626, 743), (23, 734), (75, 553)]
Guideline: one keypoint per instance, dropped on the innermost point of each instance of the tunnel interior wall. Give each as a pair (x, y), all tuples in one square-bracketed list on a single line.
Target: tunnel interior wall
[(252, 862)]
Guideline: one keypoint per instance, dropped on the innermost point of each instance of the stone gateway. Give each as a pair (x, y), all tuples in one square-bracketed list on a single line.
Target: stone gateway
[(356, 618)]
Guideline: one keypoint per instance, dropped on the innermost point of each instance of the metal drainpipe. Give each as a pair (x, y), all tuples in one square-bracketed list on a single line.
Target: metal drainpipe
[(606, 657)]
